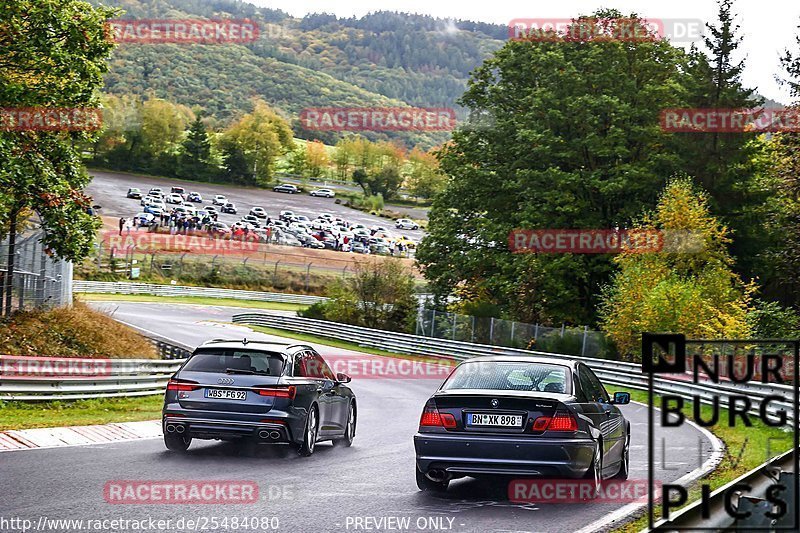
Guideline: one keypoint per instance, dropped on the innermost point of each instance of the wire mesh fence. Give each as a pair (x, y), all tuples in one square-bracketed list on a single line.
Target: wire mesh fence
[(499, 332), (39, 280), (265, 267)]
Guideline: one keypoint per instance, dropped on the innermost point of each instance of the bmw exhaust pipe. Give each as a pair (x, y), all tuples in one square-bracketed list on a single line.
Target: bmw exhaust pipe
[(179, 428), (274, 435), (170, 428), (436, 475), (263, 434)]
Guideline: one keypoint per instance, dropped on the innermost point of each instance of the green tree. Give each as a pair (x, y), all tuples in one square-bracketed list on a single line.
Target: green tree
[(297, 160), (236, 168), (195, 156), (726, 164), (688, 287), (424, 178), (379, 295), (52, 54), (262, 135), (575, 142)]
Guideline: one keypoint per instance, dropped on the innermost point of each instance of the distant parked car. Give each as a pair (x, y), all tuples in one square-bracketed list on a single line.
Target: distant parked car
[(220, 229), (175, 198), (252, 220), (287, 188), (405, 223), (194, 197), (325, 193), (358, 247), (178, 190), (229, 208), (153, 209), (258, 212), (212, 212), (219, 199), (134, 193), (143, 219), (156, 191), (286, 215)]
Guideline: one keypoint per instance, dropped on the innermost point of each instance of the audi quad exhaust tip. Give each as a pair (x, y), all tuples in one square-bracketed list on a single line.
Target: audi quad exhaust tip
[(263, 434), (179, 428), (170, 428), (274, 435)]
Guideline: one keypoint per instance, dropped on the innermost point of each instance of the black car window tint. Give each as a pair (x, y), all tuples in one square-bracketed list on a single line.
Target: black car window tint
[(593, 394), (579, 393), (269, 363), (597, 385)]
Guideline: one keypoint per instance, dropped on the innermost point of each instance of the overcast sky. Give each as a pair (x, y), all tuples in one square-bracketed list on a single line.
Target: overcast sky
[(769, 26)]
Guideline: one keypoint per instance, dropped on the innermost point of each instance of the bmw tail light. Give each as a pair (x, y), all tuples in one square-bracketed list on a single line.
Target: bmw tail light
[(178, 385), (541, 423), (431, 417), (563, 421), (278, 392)]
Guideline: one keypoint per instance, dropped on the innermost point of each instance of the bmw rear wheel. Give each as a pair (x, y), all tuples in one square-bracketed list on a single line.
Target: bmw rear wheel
[(595, 472)]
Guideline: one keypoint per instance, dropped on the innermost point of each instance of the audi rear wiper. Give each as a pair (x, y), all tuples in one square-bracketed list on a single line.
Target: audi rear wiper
[(243, 371)]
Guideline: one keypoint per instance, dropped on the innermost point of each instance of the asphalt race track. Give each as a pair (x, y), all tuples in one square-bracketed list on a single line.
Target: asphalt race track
[(109, 189), (326, 492)]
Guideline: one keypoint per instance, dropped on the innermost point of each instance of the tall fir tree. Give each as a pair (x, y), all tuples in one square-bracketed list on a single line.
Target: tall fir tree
[(726, 164), (194, 162)]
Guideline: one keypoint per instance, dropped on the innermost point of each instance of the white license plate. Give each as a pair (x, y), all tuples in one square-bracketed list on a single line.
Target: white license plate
[(226, 394), (511, 421)]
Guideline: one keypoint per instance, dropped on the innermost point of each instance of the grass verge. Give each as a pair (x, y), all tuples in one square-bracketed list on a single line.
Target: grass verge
[(745, 449), (76, 331), (197, 300), (27, 415)]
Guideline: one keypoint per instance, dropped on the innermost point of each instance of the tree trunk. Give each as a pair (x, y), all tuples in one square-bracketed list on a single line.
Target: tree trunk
[(12, 244)]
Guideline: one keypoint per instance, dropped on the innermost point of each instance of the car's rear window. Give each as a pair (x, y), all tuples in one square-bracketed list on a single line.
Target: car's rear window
[(510, 375), (265, 363)]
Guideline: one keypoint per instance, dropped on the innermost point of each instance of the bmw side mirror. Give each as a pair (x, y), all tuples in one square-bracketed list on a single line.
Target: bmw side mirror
[(622, 398), (341, 377)]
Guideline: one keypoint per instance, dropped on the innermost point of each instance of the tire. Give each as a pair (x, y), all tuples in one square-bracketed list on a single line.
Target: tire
[(175, 442), (426, 485), (310, 433), (625, 464), (595, 472), (350, 429)]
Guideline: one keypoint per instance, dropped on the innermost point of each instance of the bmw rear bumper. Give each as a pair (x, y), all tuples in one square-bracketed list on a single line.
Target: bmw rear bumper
[(507, 455)]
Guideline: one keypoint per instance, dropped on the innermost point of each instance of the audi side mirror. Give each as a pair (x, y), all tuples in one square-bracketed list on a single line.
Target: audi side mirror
[(341, 377), (621, 398)]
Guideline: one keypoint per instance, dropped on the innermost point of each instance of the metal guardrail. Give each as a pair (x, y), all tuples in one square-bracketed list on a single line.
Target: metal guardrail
[(49, 378), (759, 479), (616, 372), (154, 289)]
